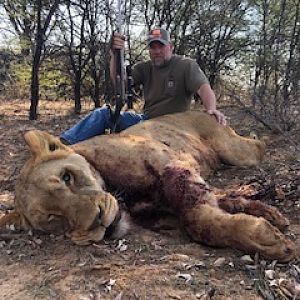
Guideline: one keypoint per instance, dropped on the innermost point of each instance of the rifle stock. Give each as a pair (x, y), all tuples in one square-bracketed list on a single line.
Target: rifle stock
[(129, 98), (120, 87)]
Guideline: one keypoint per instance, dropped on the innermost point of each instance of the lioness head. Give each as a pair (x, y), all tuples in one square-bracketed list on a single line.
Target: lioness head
[(58, 190)]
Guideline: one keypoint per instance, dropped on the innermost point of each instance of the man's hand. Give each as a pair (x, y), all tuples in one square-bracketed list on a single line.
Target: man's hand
[(209, 101), (117, 41), (218, 115)]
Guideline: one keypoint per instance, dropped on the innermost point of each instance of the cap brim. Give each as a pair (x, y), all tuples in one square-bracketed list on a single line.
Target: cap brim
[(162, 41)]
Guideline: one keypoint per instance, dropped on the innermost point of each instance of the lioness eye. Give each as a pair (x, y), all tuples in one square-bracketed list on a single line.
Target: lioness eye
[(52, 147), (66, 177)]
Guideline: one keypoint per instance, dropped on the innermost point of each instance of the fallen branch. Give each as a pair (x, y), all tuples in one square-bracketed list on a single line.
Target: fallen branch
[(253, 113), (7, 237), (274, 128)]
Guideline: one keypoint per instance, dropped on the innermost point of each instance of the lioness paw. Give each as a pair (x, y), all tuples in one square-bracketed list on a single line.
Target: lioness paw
[(276, 218), (109, 209), (84, 238), (271, 243)]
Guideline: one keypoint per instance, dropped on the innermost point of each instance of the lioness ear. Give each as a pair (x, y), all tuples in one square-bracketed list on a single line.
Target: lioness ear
[(41, 143), (265, 139), (253, 135), (13, 219)]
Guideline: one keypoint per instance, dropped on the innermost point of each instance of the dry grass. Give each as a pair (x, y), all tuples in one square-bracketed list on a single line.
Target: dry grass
[(51, 267)]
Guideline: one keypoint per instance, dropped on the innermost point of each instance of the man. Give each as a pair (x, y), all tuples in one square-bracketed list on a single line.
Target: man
[(169, 82)]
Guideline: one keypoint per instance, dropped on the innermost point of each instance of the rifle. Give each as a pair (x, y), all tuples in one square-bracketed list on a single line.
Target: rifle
[(119, 88), (120, 96), (129, 98)]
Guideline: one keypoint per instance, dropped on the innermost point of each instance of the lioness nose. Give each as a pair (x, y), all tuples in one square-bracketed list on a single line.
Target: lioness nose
[(96, 223)]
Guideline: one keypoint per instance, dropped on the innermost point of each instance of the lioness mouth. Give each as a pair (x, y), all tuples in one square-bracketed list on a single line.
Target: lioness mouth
[(97, 222), (111, 228), (56, 223)]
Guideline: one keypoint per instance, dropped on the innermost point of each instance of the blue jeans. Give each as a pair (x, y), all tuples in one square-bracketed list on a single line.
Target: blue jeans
[(97, 122)]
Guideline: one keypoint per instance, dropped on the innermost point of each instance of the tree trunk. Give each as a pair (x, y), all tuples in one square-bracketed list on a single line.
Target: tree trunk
[(34, 87), (77, 89), (97, 92), (39, 40)]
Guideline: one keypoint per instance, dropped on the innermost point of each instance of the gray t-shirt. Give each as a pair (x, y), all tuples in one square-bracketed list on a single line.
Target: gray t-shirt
[(168, 89)]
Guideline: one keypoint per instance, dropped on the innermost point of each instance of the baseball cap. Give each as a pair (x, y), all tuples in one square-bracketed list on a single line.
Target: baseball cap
[(159, 35)]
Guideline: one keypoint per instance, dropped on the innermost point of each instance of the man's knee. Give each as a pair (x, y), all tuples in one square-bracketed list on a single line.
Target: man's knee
[(102, 112)]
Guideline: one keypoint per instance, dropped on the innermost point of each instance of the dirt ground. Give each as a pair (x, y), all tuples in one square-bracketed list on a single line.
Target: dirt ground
[(161, 264)]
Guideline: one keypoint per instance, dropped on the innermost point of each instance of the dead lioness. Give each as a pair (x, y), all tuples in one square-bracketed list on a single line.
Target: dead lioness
[(161, 162)]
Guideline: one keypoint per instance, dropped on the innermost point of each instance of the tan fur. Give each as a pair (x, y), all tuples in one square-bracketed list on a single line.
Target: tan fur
[(158, 162)]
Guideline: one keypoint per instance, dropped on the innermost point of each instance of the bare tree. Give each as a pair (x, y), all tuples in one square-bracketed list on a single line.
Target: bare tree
[(43, 22), (99, 35), (221, 35), (276, 83), (22, 18), (74, 30)]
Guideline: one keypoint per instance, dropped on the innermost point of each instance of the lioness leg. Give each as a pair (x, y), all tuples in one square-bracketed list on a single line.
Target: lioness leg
[(205, 222), (255, 208), (214, 227)]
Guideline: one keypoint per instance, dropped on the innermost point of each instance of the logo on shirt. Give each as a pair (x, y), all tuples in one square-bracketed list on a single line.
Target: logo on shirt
[(170, 83)]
